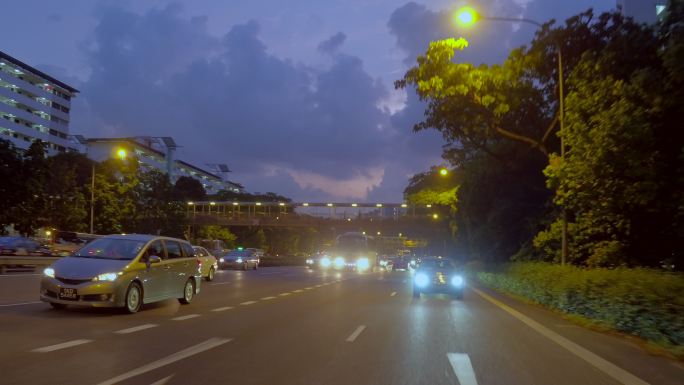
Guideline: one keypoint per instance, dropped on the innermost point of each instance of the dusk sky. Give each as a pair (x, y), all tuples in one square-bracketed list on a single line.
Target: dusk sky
[(297, 96)]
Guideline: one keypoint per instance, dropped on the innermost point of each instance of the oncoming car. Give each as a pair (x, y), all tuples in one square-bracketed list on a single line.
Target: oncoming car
[(123, 271), (438, 275)]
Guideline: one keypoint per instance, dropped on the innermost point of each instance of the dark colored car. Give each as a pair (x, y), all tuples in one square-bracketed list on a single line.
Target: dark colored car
[(401, 263), (22, 246), (239, 259), (438, 275)]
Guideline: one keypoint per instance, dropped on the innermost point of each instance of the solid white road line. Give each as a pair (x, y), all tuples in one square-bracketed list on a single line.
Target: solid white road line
[(393, 294), (620, 375), (183, 318), (248, 303), (268, 298), (460, 363), (135, 329), (191, 351), (163, 380), (222, 308), (284, 294), (356, 333), (64, 345), (20, 304)]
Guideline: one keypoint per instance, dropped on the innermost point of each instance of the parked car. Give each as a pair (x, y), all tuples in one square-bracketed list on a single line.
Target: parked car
[(22, 246), (239, 259), (123, 271), (209, 263)]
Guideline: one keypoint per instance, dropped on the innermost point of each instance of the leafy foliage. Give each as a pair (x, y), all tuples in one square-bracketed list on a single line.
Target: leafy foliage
[(622, 179), (643, 302)]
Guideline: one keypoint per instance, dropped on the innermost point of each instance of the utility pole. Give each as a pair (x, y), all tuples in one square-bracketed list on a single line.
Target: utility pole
[(92, 199)]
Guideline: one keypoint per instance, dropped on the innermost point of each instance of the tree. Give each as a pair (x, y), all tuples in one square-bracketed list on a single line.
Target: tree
[(157, 212), (31, 212), (219, 232), (66, 188), (622, 177), (189, 189), (12, 186)]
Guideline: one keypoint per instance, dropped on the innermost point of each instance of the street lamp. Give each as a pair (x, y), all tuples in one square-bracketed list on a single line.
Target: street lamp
[(443, 172), (466, 17)]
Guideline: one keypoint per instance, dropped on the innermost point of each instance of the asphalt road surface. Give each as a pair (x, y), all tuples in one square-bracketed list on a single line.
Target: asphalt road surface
[(294, 326)]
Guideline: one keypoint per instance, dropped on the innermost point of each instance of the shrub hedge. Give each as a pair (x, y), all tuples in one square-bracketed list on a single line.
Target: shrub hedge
[(642, 302)]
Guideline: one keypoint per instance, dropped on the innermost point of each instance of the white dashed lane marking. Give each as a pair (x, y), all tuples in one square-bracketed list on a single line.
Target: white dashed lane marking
[(183, 318), (393, 294), (297, 291), (248, 303), (284, 294), (356, 333), (460, 363), (64, 345), (135, 329), (268, 298), (183, 354), (222, 308)]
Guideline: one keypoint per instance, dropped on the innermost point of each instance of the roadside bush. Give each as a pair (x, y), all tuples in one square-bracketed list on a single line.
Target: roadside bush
[(642, 302)]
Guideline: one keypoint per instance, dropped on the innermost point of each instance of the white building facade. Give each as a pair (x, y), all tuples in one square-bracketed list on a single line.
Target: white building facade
[(153, 153), (33, 105)]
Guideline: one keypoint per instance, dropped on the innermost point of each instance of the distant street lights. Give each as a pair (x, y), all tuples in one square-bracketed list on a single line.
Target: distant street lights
[(121, 153), (443, 172), (468, 16)]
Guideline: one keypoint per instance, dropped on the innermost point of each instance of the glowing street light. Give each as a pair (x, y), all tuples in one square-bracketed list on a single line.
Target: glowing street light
[(443, 172), (435, 216), (466, 16), (121, 153)]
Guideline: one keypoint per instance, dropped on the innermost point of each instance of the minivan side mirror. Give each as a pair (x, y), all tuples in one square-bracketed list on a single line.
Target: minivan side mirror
[(153, 259)]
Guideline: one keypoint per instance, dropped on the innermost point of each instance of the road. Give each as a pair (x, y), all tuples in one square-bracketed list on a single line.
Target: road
[(293, 326)]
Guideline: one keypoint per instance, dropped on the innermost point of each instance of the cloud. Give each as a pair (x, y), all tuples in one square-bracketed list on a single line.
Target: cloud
[(332, 44), (281, 126)]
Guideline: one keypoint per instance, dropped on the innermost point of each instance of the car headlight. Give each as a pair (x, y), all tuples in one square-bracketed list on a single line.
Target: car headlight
[(421, 280), (309, 261), (362, 264), (325, 262), (339, 262), (239, 260), (383, 263), (106, 277), (49, 272), (221, 260), (457, 280)]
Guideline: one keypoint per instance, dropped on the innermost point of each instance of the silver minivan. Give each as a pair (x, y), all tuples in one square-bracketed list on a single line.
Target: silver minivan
[(123, 271)]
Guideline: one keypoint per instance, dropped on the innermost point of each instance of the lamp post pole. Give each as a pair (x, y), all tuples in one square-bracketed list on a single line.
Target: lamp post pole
[(468, 16), (92, 199)]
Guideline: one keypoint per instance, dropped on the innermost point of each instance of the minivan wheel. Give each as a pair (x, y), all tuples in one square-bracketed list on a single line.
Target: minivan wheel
[(210, 276), (133, 298), (58, 306), (188, 292)]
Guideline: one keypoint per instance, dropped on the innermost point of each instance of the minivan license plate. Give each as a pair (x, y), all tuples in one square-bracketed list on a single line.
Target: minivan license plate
[(67, 293)]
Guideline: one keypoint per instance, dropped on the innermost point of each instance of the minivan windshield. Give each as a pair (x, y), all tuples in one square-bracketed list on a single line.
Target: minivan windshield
[(436, 264), (111, 248)]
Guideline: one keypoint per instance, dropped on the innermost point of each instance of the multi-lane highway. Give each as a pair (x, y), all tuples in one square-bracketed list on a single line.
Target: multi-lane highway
[(294, 326)]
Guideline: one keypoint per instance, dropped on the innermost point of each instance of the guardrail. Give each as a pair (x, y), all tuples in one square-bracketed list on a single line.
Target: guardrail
[(7, 262)]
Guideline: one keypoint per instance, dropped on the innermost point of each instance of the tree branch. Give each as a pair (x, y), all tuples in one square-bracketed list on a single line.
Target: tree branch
[(548, 130), (521, 138)]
